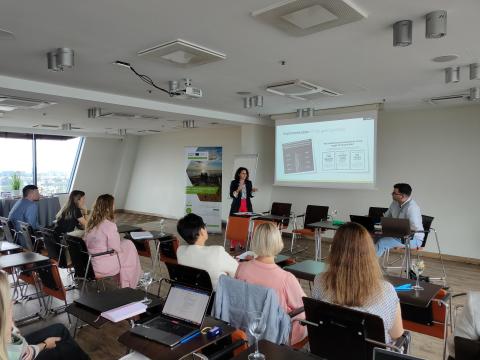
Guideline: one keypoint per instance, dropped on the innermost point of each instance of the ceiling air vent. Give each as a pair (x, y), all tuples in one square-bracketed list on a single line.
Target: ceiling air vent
[(300, 89), (304, 17), (9, 103), (472, 95)]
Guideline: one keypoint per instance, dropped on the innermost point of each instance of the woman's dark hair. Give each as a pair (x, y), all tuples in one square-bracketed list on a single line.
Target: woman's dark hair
[(239, 170), (68, 210), (189, 227)]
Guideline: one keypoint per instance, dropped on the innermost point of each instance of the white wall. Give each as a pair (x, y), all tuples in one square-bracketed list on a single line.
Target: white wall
[(437, 151), (105, 167), (158, 180)]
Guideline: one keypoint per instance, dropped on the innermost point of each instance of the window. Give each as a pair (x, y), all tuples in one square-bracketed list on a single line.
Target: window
[(48, 161)]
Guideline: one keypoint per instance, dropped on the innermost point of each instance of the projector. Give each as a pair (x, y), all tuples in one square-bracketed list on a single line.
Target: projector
[(193, 92)]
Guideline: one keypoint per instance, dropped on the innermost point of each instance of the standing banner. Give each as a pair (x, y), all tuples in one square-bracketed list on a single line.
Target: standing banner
[(204, 185)]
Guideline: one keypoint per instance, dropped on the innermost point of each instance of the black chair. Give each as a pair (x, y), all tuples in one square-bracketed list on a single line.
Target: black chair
[(376, 213), (313, 213), (31, 241), (9, 233), (281, 209), (82, 261), (55, 249), (331, 327), (466, 349)]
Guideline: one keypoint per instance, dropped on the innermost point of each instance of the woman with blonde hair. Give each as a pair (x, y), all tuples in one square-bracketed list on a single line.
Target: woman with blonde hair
[(52, 342), (354, 279), (101, 235), (266, 244)]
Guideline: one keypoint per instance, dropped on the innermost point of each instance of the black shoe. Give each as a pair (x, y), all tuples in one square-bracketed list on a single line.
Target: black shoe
[(242, 248), (232, 249)]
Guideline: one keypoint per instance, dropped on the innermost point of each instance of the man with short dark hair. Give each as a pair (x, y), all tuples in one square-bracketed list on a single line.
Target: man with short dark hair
[(26, 210), (402, 207), (213, 259)]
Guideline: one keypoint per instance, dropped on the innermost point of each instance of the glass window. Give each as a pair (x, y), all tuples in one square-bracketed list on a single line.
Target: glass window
[(16, 158), (56, 163)]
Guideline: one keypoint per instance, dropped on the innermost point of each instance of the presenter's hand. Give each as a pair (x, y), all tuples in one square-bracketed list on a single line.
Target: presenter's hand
[(254, 189)]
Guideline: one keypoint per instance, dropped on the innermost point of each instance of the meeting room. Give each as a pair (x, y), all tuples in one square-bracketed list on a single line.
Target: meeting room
[(239, 180)]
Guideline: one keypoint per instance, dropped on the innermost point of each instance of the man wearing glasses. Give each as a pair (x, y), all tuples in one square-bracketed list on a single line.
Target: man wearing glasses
[(402, 207)]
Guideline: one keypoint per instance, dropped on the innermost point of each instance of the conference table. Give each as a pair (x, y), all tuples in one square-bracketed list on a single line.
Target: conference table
[(319, 226), (8, 247), (48, 207)]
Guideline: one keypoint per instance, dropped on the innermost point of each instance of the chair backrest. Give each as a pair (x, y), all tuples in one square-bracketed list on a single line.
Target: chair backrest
[(51, 280), (314, 213), (79, 256), (376, 213), (190, 276), (466, 349), (331, 326), (168, 249), (27, 235), (7, 229), (281, 209), (52, 244), (237, 229), (427, 224)]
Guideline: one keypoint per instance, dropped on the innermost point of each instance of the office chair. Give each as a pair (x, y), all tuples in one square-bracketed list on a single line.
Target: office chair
[(313, 213), (31, 241), (9, 233), (237, 231), (281, 209)]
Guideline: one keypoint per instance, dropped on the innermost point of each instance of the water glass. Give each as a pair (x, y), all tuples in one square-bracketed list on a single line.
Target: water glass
[(256, 327), (418, 266), (145, 281)]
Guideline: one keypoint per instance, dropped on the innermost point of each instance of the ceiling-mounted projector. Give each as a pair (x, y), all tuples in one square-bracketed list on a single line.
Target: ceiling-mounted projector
[(188, 92)]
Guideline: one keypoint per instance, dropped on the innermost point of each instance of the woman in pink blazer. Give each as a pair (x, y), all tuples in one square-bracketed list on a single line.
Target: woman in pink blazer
[(101, 235)]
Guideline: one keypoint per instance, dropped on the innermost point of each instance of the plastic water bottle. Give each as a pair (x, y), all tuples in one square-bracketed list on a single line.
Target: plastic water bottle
[(332, 215), (162, 226)]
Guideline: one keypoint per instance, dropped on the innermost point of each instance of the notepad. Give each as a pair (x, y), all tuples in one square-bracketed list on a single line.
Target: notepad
[(245, 255), (124, 312), (141, 235)]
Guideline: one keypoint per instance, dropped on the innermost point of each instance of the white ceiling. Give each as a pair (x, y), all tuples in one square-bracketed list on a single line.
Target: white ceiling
[(357, 59)]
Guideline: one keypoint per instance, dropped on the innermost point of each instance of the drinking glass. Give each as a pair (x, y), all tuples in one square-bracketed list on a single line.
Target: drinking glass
[(162, 227), (146, 280), (418, 266), (256, 327)]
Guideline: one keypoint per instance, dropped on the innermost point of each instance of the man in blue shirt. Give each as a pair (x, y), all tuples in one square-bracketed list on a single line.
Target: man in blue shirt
[(26, 210), (403, 207)]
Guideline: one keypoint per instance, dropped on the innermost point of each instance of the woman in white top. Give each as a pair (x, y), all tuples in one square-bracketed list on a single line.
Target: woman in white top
[(213, 259), (354, 279)]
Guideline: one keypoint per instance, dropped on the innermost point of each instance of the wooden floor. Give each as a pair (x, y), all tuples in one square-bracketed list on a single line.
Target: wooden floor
[(102, 343)]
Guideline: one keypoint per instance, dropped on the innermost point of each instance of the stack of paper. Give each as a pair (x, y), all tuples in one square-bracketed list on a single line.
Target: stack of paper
[(246, 255), (141, 235), (125, 311)]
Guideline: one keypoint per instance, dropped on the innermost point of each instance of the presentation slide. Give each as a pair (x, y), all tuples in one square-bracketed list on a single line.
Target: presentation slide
[(330, 153)]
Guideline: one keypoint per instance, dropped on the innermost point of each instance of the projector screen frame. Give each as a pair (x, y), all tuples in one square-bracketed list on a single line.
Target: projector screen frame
[(332, 116)]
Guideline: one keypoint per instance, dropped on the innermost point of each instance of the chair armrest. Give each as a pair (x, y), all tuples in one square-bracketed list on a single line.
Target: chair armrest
[(265, 212), (301, 215), (111, 251), (297, 311)]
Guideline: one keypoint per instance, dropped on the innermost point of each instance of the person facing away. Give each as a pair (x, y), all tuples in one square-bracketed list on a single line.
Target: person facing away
[(402, 207), (266, 244), (101, 234), (49, 343), (213, 259), (73, 214), (354, 279), (26, 210)]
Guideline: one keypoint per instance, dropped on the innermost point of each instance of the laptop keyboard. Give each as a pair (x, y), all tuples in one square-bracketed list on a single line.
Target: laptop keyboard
[(171, 327)]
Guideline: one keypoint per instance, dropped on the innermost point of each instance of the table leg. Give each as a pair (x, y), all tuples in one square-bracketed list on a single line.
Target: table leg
[(318, 243), (407, 256)]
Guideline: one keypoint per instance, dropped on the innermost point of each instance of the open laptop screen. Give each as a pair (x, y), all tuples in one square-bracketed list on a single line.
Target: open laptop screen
[(186, 304), (381, 354)]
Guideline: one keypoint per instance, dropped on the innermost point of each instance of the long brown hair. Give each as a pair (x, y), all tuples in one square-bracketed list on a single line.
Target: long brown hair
[(102, 209), (5, 315), (68, 209), (353, 276)]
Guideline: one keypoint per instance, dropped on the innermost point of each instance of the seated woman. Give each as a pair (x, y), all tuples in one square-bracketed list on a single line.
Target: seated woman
[(72, 215), (52, 342), (213, 259), (467, 324), (266, 244), (101, 235), (354, 279)]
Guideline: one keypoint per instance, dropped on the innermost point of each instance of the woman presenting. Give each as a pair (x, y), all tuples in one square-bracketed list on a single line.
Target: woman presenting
[(241, 191)]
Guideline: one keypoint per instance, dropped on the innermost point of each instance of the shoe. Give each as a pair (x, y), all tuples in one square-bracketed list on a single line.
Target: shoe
[(242, 248), (232, 249)]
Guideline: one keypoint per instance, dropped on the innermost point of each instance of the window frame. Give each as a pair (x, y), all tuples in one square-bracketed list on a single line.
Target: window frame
[(34, 138)]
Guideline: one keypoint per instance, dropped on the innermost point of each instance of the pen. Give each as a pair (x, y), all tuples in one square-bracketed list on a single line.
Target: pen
[(188, 338)]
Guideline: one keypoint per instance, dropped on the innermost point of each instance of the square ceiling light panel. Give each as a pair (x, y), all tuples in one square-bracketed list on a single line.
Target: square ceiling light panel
[(182, 53), (305, 17)]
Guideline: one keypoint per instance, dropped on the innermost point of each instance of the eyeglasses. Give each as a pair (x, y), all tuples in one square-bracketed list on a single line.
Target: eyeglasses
[(394, 193)]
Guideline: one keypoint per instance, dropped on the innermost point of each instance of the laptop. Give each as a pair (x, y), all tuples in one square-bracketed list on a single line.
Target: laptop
[(182, 316), (366, 221), (382, 354), (393, 227)]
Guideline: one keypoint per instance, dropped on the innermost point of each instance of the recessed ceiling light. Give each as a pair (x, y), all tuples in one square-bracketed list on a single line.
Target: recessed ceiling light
[(243, 93), (214, 123), (445, 58), (6, 35)]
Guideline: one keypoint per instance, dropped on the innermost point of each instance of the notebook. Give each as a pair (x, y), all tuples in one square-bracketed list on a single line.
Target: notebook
[(382, 354), (181, 318), (141, 235)]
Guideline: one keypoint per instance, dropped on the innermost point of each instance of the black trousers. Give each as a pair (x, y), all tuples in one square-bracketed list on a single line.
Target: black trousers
[(66, 348)]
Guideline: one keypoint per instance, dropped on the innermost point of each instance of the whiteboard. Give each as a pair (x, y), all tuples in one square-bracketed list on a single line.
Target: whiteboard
[(249, 161)]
